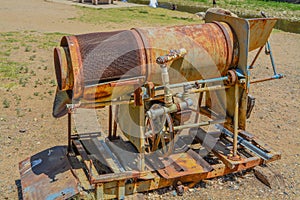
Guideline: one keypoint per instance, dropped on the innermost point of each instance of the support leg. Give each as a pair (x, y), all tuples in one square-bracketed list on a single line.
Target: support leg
[(236, 121), (110, 122), (69, 133)]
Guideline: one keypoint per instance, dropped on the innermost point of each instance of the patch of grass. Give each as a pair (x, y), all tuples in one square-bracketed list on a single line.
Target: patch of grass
[(38, 82), (8, 34), (247, 3), (50, 92), (48, 44), (254, 6), (13, 71), (135, 16), (18, 99), (9, 69), (55, 34), (8, 86), (5, 53), (49, 40), (20, 113), (27, 48), (23, 81), (144, 12), (276, 31), (5, 103), (32, 73), (11, 40), (52, 83), (26, 70), (33, 40), (31, 58)]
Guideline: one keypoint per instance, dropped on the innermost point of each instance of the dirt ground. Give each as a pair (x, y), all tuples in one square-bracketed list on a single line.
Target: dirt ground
[(27, 126)]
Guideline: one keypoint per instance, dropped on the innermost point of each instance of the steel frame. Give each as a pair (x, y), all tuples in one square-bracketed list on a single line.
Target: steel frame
[(119, 183)]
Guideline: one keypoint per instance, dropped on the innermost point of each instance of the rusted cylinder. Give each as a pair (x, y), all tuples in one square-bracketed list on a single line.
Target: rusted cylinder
[(102, 66), (210, 50), (63, 68)]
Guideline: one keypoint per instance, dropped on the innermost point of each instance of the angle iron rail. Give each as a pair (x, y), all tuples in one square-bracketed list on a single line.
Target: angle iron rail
[(245, 143)]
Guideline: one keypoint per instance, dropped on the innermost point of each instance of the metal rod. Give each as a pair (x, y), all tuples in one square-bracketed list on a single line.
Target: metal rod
[(141, 156), (271, 57), (69, 132), (115, 122), (199, 124), (269, 51), (245, 143), (256, 56), (193, 83), (212, 88), (236, 119), (84, 104), (277, 76), (199, 103), (110, 122)]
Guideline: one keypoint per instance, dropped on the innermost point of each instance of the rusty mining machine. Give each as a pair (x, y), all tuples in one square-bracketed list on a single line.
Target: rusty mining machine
[(177, 100)]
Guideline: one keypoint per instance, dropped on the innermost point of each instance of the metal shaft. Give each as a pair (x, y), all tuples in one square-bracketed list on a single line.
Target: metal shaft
[(185, 126), (236, 119), (69, 132), (110, 122), (193, 83)]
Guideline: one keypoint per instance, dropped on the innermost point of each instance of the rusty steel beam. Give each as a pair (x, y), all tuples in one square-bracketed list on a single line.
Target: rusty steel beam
[(110, 188)]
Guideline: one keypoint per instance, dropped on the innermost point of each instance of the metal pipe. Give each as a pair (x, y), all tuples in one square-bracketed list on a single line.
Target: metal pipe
[(110, 121), (173, 55), (154, 113), (268, 49), (236, 120), (166, 84), (271, 57), (212, 88), (193, 83), (277, 76), (69, 132), (128, 81), (88, 104), (95, 104)]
